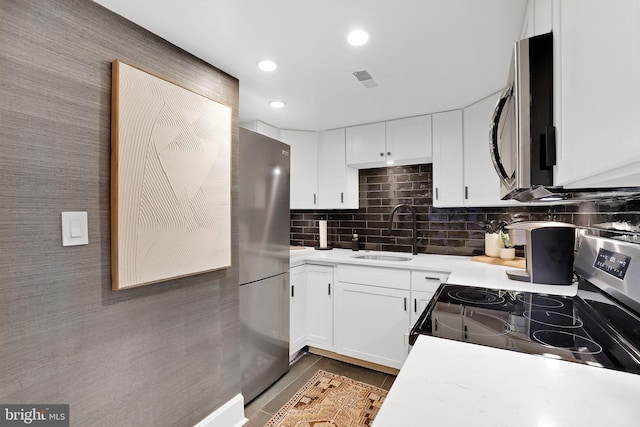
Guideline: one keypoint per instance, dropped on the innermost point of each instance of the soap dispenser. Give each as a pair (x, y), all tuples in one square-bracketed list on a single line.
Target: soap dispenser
[(355, 243)]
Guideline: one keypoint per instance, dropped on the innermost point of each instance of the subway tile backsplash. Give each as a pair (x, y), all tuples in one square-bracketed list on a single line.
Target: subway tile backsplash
[(449, 231)]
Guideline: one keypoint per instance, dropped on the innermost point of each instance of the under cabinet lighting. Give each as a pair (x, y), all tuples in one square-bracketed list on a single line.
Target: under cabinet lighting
[(277, 104)]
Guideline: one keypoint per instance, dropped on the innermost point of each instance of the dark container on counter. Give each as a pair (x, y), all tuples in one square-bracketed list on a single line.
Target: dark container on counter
[(355, 243)]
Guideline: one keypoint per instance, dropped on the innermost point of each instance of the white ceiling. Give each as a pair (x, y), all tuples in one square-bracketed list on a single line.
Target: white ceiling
[(425, 55)]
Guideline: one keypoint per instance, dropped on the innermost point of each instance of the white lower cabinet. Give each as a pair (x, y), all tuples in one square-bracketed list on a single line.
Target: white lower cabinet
[(423, 286), (371, 323), (319, 319), (372, 311), (419, 301), (297, 308), (367, 315)]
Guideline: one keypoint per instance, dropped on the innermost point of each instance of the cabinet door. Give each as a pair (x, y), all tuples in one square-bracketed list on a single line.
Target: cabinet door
[(297, 307), (424, 285), (304, 167), (542, 16), (419, 301), (527, 27), (337, 183), (371, 323), (481, 183), (447, 159), (409, 140), (597, 94), (320, 306), (366, 144)]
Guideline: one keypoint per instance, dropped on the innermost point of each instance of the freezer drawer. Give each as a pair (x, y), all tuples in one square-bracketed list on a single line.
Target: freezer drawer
[(264, 329)]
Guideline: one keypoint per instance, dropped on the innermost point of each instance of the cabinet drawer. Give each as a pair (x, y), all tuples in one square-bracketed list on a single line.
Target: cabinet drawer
[(427, 281), (374, 276)]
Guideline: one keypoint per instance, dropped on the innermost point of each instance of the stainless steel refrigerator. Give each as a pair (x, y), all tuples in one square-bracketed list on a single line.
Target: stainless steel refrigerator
[(264, 261)]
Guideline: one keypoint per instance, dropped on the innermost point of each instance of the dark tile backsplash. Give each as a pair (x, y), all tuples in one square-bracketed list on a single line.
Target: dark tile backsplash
[(450, 231)]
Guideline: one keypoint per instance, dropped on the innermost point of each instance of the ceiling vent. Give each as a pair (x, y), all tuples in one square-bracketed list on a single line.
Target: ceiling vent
[(365, 78)]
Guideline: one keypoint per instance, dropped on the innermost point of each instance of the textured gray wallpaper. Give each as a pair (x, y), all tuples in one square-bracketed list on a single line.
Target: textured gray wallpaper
[(161, 355)]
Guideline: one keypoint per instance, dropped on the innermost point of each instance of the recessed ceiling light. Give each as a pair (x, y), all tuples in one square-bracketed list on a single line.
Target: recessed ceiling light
[(267, 65), (357, 37), (277, 104)]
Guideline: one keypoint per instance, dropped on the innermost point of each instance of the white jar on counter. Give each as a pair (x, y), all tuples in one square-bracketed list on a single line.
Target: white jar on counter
[(492, 244)]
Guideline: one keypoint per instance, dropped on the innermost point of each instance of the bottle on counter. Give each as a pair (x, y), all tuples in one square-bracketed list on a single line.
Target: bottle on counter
[(355, 242)]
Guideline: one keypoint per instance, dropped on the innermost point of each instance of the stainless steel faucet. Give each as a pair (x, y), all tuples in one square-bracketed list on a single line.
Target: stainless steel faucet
[(413, 215)]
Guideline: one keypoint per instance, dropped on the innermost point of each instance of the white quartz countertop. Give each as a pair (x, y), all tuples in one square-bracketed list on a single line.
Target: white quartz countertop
[(450, 383), (463, 270)]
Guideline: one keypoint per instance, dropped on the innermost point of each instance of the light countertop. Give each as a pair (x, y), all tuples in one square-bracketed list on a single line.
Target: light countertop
[(450, 383), (463, 271)]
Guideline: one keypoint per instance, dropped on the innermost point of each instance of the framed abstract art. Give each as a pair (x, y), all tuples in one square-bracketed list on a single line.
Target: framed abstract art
[(170, 180)]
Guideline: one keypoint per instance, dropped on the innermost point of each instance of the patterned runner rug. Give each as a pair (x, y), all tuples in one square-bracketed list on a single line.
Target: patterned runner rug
[(330, 400)]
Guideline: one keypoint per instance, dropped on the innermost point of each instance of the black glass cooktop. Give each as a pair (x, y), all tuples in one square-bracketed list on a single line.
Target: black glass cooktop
[(589, 328)]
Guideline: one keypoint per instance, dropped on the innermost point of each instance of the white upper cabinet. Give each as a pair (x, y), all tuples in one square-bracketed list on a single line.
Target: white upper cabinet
[(304, 167), (542, 17), (398, 142), (463, 173), (366, 145), (263, 128), (447, 159), (481, 183), (409, 140), (537, 18), (597, 92), (337, 183)]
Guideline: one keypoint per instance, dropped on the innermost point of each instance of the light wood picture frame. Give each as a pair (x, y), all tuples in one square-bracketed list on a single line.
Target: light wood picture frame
[(170, 180)]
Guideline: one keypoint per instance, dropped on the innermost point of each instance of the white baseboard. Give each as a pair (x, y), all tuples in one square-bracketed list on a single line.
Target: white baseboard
[(231, 414)]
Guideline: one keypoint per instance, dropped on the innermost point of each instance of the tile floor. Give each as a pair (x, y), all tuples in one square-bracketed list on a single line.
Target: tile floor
[(262, 408)]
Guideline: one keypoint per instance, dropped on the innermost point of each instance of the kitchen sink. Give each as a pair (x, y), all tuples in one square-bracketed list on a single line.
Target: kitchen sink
[(383, 257)]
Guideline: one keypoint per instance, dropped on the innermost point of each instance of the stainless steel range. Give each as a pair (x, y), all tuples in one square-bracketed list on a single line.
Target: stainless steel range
[(600, 326)]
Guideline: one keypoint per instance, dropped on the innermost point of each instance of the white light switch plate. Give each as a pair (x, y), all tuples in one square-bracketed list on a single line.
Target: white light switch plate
[(74, 229)]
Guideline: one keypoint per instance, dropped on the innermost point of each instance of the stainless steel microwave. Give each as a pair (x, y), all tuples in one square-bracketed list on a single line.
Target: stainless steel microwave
[(522, 136)]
